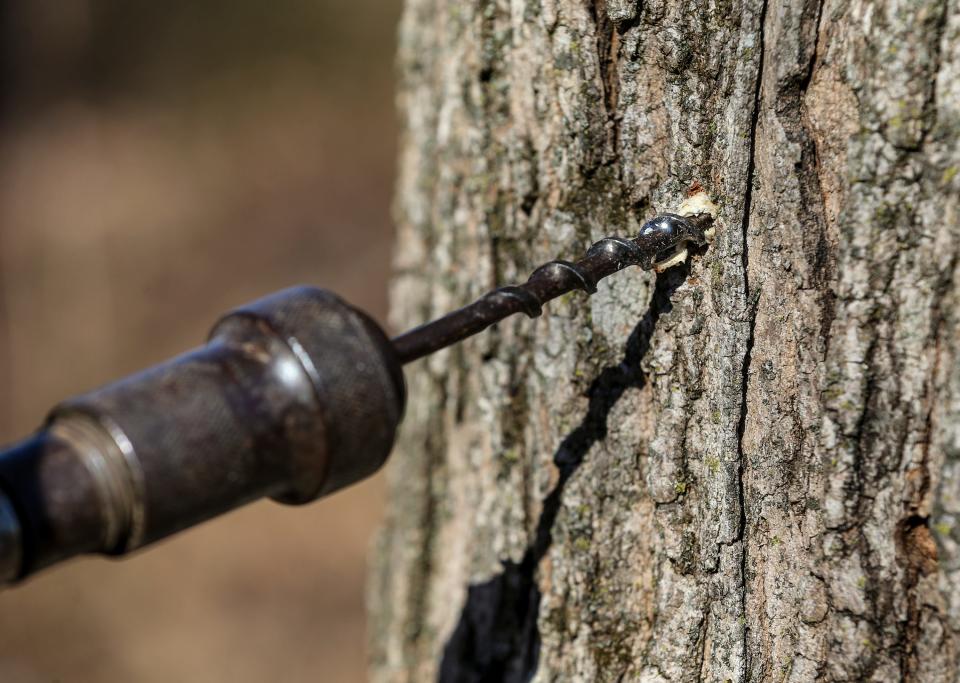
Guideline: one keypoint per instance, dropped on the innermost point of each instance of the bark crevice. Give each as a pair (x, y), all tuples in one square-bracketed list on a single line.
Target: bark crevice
[(751, 301)]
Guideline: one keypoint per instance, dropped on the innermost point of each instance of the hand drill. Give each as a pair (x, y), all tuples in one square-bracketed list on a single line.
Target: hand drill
[(293, 397)]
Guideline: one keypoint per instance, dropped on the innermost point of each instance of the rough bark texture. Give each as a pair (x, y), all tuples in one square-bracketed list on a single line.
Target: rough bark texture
[(743, 469)]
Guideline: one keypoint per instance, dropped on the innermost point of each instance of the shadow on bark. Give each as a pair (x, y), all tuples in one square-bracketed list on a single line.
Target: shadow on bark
[(497, 638)]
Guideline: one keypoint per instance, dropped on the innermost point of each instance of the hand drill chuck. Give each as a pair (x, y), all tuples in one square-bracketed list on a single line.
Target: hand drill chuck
[(293, 397)]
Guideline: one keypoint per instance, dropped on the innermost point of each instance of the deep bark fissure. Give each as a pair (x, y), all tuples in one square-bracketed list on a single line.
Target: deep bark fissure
[(608, 52), (814, 58), (608, 55), (930, 95), (824, 265), (432, 465), (751, 313), (702, 631)]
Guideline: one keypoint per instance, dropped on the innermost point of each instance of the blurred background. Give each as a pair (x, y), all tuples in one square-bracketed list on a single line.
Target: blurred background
[(161, 162)]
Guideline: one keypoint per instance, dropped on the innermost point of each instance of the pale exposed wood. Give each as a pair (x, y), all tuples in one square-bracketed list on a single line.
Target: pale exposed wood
[(747, 470)]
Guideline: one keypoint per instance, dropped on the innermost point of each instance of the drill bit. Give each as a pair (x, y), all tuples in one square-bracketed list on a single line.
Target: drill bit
[(661, 243), (294, 396)]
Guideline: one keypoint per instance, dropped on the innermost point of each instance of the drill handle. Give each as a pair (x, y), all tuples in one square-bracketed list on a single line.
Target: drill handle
[(293, 397)]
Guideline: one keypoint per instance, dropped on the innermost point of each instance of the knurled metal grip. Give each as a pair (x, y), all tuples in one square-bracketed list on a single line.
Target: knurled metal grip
[(294, 396)]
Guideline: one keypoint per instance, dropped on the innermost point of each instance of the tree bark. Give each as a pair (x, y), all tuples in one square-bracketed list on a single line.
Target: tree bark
[(744, 469)]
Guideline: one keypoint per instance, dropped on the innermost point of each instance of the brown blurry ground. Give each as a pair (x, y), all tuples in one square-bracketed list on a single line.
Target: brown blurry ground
[(159, 163)]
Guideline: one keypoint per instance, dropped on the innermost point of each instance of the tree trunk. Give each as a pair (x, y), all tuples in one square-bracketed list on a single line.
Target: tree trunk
[(744, 469)]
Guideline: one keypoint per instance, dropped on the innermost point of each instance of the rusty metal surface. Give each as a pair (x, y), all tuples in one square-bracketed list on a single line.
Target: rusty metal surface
[(56, 498), (295, 396)]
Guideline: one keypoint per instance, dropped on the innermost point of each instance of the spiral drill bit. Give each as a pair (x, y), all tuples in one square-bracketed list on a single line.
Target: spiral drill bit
[(661, 243), (293, 397)]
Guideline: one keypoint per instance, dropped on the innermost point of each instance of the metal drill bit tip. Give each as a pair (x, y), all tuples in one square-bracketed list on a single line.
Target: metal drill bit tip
[(661, 243)]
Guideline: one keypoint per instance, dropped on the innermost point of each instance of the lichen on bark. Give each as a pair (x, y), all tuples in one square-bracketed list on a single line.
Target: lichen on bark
[(743, 469)]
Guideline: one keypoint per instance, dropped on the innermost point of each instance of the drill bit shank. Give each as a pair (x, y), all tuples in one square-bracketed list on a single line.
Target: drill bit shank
[(657, 243)]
